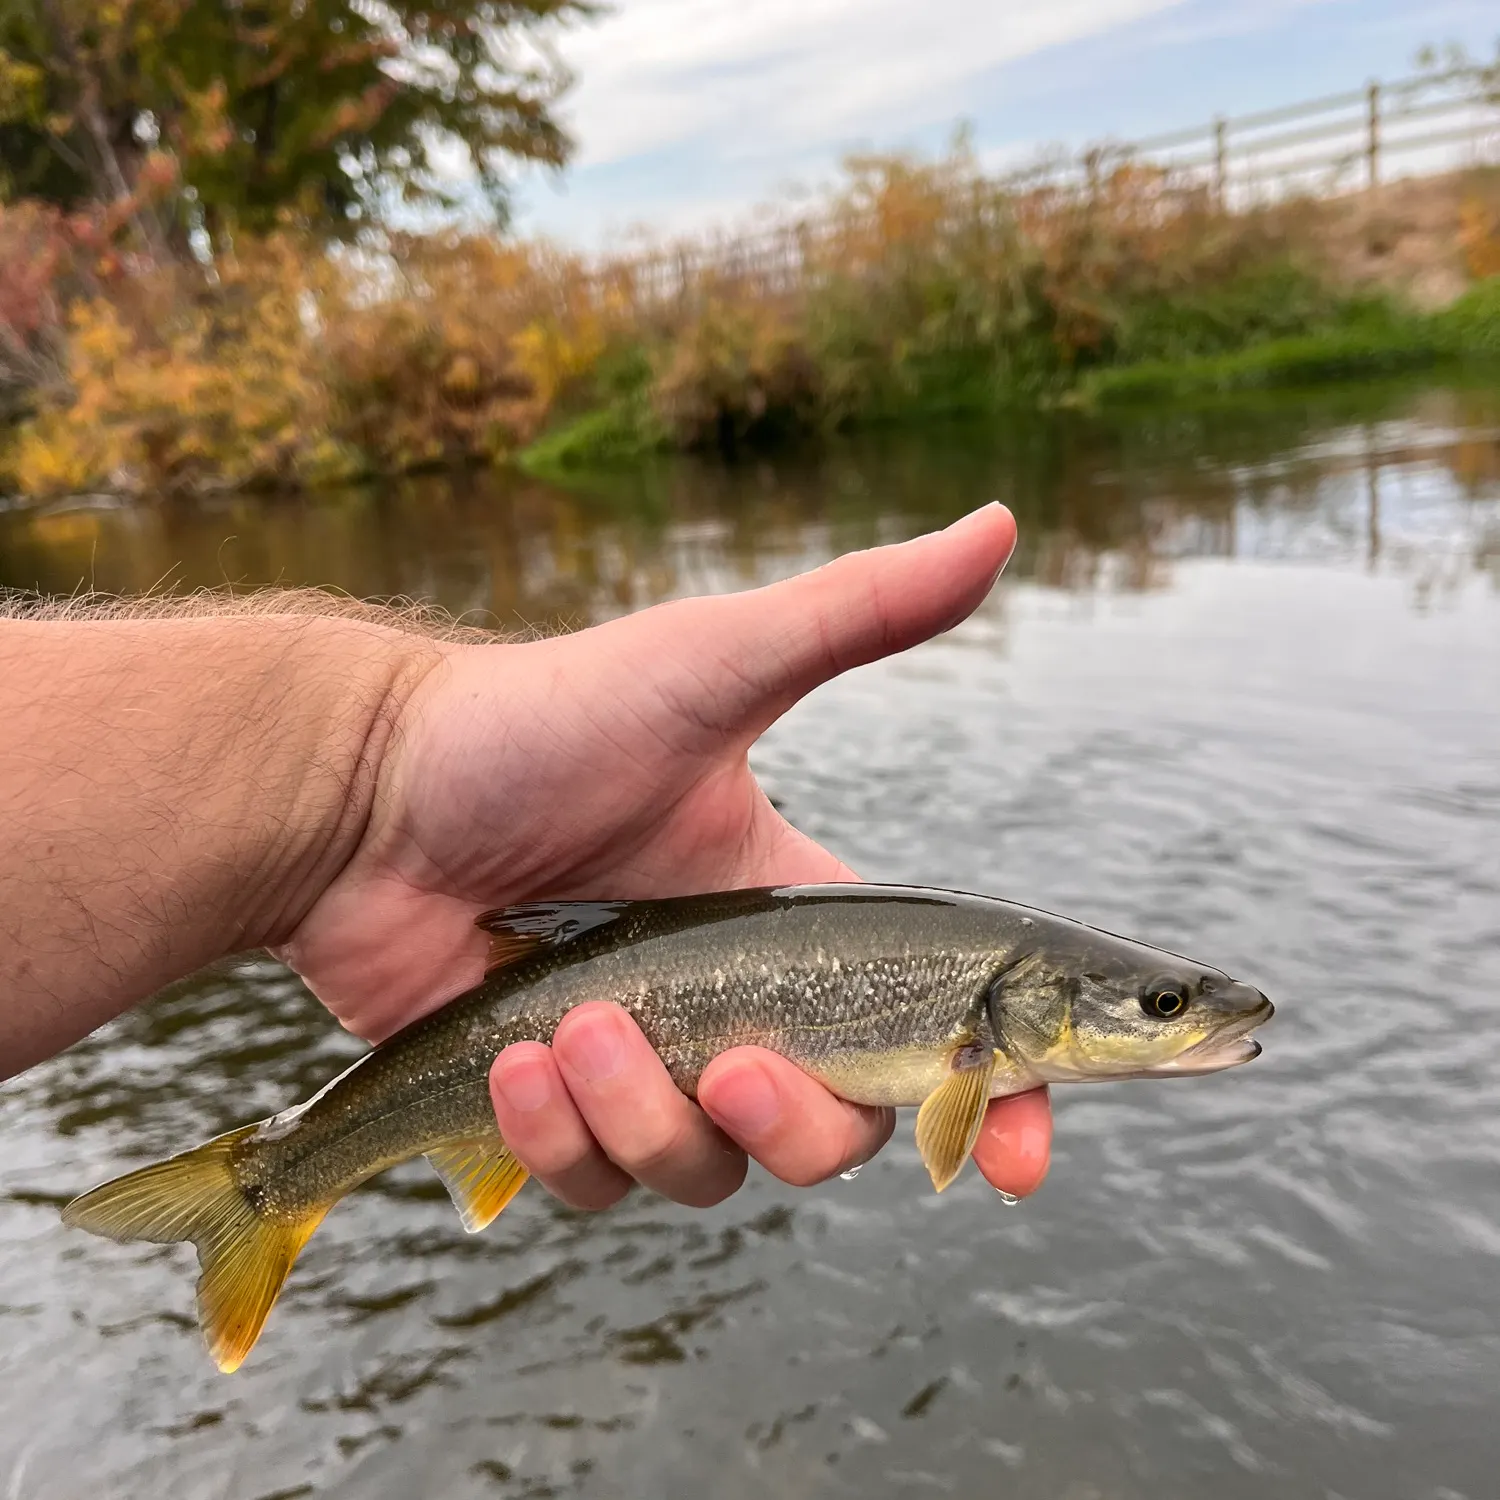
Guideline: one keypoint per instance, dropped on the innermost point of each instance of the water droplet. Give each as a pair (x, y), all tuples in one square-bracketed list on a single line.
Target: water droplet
[(1027, 922), (1008, 1199), (850, 1175)]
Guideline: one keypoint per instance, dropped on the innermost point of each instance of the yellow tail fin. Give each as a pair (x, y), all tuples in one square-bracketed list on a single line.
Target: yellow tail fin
[(196, 1196)]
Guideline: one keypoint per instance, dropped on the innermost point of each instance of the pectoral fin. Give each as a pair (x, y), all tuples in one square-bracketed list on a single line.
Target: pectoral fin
[(481, 1177), (949, 1119)]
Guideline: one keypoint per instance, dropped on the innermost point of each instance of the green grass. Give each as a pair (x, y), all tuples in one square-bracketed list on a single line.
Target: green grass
[(609, 424), (1376, 344), (1279, 364), (614, 437), (1470, 328)]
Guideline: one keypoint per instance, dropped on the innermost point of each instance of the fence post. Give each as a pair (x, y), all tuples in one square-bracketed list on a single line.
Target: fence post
[(1221, 158), (1373, 150)]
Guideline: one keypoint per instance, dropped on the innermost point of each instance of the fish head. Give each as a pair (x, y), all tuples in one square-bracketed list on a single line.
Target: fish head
[(1088, 1006)]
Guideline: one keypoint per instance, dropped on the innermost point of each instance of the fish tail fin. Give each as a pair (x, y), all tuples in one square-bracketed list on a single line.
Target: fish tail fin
[(245, 1256)]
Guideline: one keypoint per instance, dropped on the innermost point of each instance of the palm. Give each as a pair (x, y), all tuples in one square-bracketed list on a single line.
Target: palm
[(610, 763)]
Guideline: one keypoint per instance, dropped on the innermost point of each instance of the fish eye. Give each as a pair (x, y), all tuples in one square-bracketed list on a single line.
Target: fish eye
[(1164, 998)]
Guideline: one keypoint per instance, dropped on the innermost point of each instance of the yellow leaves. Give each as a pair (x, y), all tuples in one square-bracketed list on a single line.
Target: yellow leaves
[(175, 383), (100, 337), (158, 174), (356, 116), (50, 461), (1479, 236), (207, 127), (461, 378), (23, 89), (552, 351)]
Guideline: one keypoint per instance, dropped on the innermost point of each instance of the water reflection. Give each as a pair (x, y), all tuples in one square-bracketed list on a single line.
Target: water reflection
[(1408, 484)]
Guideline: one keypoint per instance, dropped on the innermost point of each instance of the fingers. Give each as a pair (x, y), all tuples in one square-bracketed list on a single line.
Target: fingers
[(542, 1126), (787, 1121), (1015, 1142), (598, 1110), (773, 645), (607, 1112)]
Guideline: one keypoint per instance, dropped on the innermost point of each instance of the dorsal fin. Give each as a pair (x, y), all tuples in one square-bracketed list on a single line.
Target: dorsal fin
[(507, 947), (516, 932)]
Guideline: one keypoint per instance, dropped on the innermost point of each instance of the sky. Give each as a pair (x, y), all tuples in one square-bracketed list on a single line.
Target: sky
[(691, 113)]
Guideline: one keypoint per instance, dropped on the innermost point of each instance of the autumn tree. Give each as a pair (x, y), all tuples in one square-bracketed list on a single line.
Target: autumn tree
[(248, 113)]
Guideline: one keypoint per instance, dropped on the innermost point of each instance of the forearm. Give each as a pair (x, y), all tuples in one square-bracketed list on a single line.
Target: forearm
[(172, 791)]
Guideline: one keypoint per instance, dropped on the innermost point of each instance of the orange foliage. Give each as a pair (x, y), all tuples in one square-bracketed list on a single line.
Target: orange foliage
[(1479, 235), (288, 364), (737, 366)]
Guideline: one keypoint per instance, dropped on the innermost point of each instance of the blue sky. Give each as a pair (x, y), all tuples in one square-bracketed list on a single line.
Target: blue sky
[(692, 112)]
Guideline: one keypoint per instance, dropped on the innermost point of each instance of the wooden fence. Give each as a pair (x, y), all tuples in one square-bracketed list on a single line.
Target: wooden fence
[(1355, 139), (1413, 126)]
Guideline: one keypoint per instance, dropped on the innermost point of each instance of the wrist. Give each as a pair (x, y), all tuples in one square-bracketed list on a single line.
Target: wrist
[(175, 790), (347, 684)]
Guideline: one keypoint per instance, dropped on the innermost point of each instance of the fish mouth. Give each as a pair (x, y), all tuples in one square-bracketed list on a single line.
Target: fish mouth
[(1226, 1048), (1211, 1056)]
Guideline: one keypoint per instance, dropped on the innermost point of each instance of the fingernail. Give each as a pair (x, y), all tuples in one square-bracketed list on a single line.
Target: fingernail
[(595, 1048), (524, 1084), (746, 1102), (965, 519)]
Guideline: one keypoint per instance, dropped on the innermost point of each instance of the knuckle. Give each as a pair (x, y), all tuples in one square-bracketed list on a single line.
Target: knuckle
[(868, 1131), (807, 1174), (663, 1150), (550, 1144), (721, 1180), (801, 1167), (546, 1159), (591, 1196)]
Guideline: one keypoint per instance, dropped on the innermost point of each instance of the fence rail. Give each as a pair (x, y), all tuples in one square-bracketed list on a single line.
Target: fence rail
[(1362, 137)]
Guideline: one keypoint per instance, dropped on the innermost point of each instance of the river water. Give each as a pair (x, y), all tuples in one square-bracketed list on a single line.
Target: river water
[(1239, 695)]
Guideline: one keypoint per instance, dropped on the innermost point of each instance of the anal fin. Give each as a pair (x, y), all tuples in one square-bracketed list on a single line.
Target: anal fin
[(481, 1176), (949, 1119)]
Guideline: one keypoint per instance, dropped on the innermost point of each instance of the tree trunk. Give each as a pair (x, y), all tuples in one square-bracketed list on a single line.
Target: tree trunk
[(110, 185)]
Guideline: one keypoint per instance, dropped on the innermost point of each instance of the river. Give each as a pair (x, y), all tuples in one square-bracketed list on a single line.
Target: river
[(1238, 695)]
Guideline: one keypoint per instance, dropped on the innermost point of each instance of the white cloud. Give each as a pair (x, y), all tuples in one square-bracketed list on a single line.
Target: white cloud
[(757, 75), (687, 112)]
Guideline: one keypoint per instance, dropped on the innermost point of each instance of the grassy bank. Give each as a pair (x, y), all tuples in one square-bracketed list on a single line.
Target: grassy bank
[(1376, 342), (925, 293), (1363, 340)]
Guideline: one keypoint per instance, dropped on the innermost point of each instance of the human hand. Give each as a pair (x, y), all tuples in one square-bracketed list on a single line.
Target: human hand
[(613, 763)]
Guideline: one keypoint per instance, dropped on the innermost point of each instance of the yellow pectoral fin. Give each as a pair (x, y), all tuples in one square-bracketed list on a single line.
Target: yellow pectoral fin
[(949, 1119), (481, 1177)]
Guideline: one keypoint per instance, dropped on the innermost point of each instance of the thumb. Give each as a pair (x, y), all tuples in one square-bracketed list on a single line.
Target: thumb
[(768, 647)]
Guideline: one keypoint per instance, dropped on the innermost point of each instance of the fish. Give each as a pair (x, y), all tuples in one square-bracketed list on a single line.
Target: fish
[(888, 995)]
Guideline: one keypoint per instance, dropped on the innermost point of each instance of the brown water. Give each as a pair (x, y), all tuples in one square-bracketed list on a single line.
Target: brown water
[(1239, 694)]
